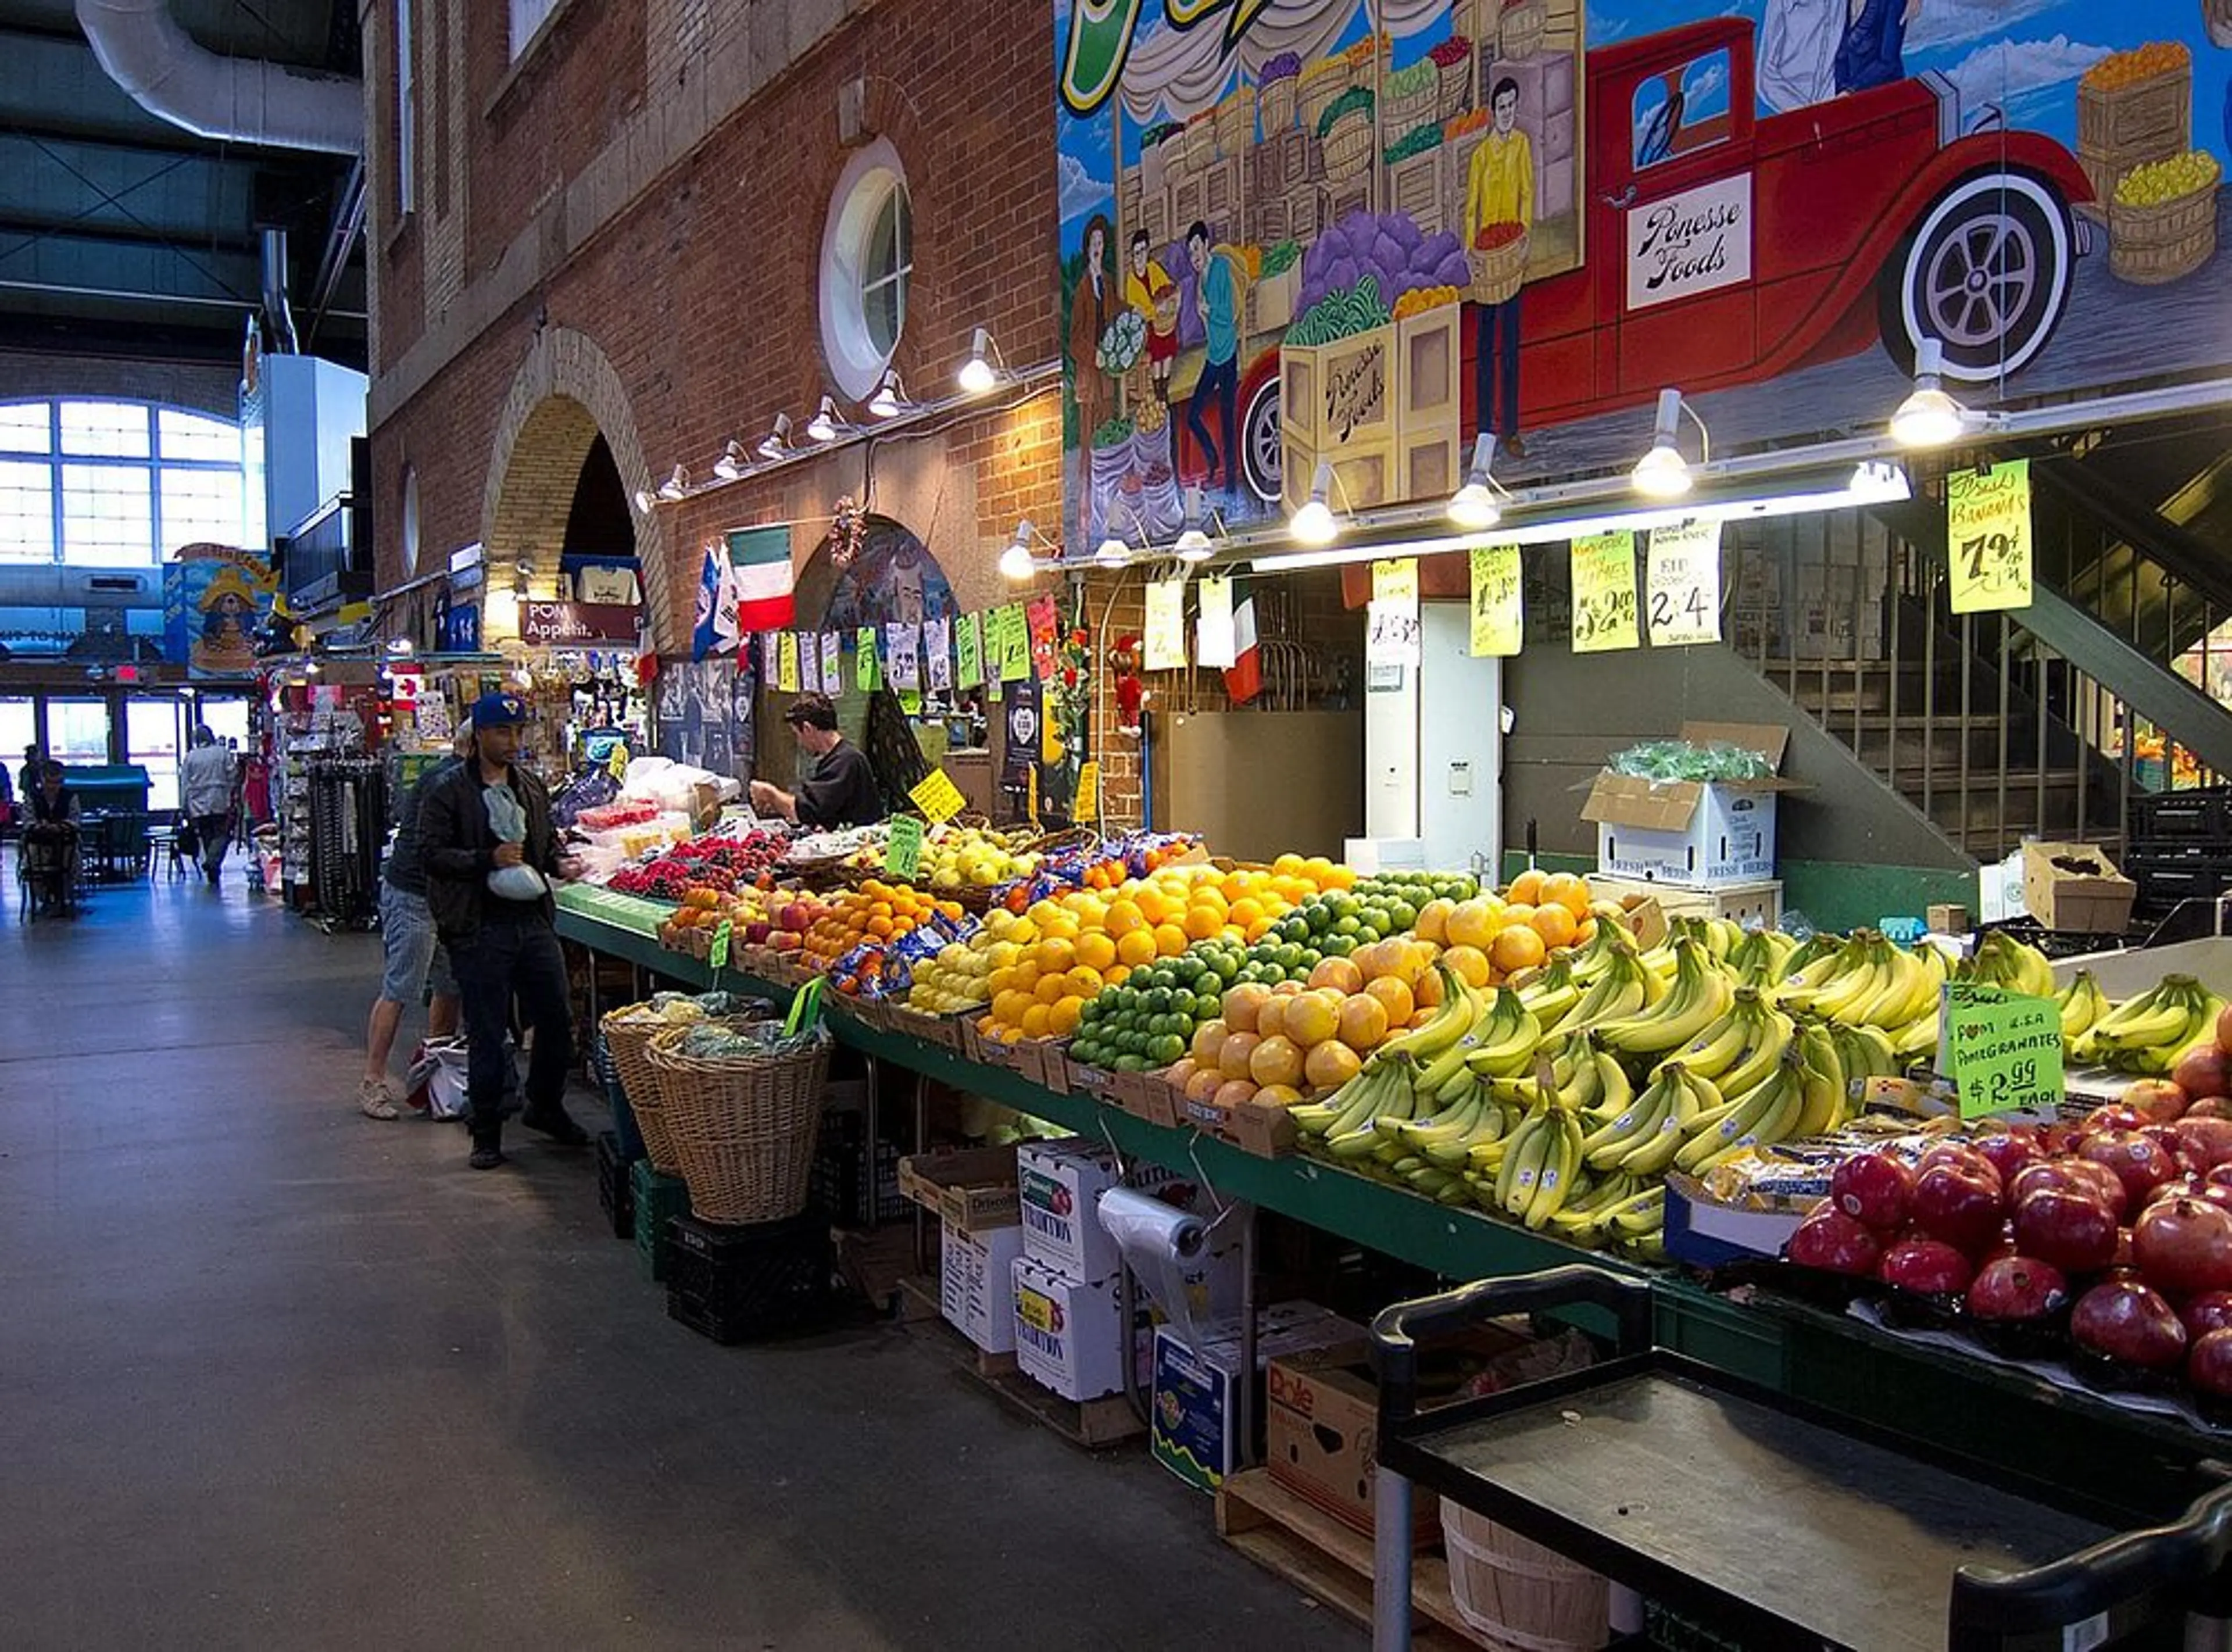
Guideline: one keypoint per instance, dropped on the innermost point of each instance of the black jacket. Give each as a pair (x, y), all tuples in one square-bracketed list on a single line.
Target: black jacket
[(458, 846)]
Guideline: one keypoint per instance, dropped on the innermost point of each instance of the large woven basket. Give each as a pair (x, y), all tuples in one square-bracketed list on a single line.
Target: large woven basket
[(1497, 273), (1414, 108), (1521, 31), (1478, 21), (1201, 141), (627, 1037), (1453, 89), (1277, 104), (1322, 81), (744, 1126), (1235, 121), (1348, 148)]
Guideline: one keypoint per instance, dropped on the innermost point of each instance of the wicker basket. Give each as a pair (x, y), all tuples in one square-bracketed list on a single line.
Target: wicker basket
[(2150, 245), (1521, 31), (1235, 121), (1321, 82), (1277, 104), (1453, 91), (627, 1037), (1518, 1593), (744, 1126), (1399, 114), (1201, 141), (1497, 273), (1348, 148), (1478, 21)]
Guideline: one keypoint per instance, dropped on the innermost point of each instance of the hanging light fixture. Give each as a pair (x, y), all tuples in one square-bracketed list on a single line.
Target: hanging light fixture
[(1929, 416), (1313, 523), (775, 444), (1194, 545), (1662, 473), (1112, 553), (677, 486), (827, 424), (890, 399), (1474, 505), (733, 462), (1018, 562), (985, 366)]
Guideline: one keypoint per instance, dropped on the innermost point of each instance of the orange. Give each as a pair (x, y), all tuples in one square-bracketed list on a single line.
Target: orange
[(1154, 904), (1057, 955), (1036, 1020), (1062, 1020), (1394, 997), (1556, 924), (1275, 1060), (1564, 888), (1312, 1019), (1470, 964), (1204, 1084), (1282, 1095), (1340, 974), (1527, 887), (1468, 923), (1246, 911), (1243, 1003), (1118, 974), (1518, 947), (1202, 921), (1125, 917), (1008, 1007), (1169, 940), (1137, 946), (1434, 918), (1363, 1023), (1208, 1039), (1050, 988), (1234, 1093), (1330, 1065), (1083, 981), (1428, 991), (1287, 865), (1095, 951)]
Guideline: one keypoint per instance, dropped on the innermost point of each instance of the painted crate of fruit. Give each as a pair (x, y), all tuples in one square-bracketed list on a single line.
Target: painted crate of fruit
[(1279, 286), (1429, 411), (1334, 406), (2132, 108), (2162, 219)]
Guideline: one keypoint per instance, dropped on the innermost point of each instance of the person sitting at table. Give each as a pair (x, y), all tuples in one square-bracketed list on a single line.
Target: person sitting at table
[(50, 840)]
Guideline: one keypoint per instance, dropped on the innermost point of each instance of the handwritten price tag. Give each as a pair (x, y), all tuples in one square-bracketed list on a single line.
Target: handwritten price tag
[(1087, 806), (1498, 617), (2003, 1050), (968, 652), (1392, 637), (1395, 580), (1604, 592), (1684, 578), (717, 953), (786, 671), (939, 797), (904, 852), (833, 664), (616, 763), (1988, 532), (867, 671), (1164, 644)]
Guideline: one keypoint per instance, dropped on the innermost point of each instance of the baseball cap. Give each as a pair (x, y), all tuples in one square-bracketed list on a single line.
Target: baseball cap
[(497, 710)]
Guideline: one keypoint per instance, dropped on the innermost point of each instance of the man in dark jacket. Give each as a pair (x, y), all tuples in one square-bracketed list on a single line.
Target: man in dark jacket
[(500, 945), (843, 790)]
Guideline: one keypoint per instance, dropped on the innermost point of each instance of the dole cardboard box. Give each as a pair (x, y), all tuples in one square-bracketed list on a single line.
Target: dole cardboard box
[(1697, 833), (1195, 1401), (975, 1293), (1062, 1184), (1069, 1336)]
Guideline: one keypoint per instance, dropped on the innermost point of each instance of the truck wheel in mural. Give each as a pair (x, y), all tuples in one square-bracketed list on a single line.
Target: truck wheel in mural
[(1261, 448), (1988, 272)]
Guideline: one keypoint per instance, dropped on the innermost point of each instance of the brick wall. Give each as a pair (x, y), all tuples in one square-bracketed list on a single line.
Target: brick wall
[(28, 375)]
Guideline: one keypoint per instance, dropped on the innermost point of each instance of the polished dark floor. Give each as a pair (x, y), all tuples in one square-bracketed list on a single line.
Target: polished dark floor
[(274, 1376)]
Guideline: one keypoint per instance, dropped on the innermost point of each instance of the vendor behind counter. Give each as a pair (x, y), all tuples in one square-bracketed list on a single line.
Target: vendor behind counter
[(842, 791)]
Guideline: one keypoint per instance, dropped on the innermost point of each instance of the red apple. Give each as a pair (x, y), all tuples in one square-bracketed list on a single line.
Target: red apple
[(2203, 1141), (2224, 1027), (1959, 1206), (2017, 1289), (1874, 1189), (2210, 1310), (2071, 1228), (2209, 1366), (2184, 1246), (2159, 1101), (1960, 1154), (2010, 1150), (2210, 1107), (1832, 1240), (2139, 1163), (1928, 1266), (2203, 1071), (2130, 1325)]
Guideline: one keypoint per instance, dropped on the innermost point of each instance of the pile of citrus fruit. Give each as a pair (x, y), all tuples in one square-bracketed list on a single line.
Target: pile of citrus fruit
[(875, 912)]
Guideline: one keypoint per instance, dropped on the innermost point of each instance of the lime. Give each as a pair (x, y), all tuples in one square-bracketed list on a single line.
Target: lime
[(1349, 926), (1164, 1051), (1340, 946)]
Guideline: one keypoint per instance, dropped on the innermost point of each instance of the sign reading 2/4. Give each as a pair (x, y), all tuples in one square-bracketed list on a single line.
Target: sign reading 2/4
[(1684, 578)]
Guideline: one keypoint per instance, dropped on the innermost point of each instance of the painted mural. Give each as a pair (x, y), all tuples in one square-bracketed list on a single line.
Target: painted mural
[(215, 600), (1362, 232)]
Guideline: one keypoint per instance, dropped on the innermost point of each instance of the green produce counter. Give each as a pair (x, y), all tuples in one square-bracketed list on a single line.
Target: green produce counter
[(1969, 1408)]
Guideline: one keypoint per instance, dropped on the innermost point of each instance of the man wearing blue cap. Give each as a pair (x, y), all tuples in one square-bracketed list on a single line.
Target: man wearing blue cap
[(490, 853)]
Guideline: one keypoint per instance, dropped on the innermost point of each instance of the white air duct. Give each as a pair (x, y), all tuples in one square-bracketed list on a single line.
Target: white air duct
[(236, 99)]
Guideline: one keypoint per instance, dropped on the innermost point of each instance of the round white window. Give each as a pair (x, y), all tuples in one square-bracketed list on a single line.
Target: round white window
[(867, 260), (410, 521)]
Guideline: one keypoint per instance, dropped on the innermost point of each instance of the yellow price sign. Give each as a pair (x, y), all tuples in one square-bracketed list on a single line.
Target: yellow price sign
[(1988, 533), (1395, 580), (1088, 806), (616, 761), (1683, 575), (1604, 592), (939, 797), (1164, 646), (786, 671), (1498, 614)]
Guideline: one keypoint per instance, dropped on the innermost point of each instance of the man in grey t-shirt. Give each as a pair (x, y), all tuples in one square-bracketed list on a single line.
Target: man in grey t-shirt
[(412, 957)]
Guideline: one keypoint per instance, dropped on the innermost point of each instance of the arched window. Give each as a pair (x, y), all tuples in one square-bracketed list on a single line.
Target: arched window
[(117, 483)]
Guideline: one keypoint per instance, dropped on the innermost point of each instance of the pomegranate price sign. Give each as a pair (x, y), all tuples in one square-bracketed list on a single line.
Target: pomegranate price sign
[(2002, 1050)]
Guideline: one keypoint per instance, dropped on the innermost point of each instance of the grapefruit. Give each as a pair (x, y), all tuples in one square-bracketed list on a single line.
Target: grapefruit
[(1237, 1051), (1364, 1021), (1275, 1060), (1330, 1065), (1469, 924), (1394, 997), (1208, 1040), (1271, 1018), (1243, 1003), (1340, 973), (1233, 1093), (1283, 1095), (1312, 1019), (1518, 947), (1434, 918), (1469, 963)]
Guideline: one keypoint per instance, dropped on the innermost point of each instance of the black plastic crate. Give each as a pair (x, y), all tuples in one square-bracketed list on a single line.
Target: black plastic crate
[(659, 1199), (2203, 816), (2166, 878), (738, 1284), (616, 1189), (842, 1186)]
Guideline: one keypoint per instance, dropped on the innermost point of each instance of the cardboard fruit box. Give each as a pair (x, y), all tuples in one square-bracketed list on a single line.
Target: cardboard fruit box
[(1701, 833), (2073, 887)]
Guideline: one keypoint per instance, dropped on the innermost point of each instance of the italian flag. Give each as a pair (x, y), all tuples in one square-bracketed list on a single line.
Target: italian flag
[(759, 571), (1243, 678)]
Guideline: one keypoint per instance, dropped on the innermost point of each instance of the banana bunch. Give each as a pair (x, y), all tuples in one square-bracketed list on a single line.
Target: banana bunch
[(1644, 1138), (1718, 935), (2151, 1033), (2001, 961), (1596, 955), (1742, 1047), (1698, 996), (2083, 1005), (1551, 992), (1864, 1053), (1459, 1012), (1760, 958), (1618, 1209), (1622, 989), (1540, 1167), (1345, 1125), (1869, 983), (1797, 1099)]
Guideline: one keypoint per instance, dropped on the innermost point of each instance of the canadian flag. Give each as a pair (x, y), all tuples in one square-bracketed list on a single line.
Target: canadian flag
[(1243, 678)]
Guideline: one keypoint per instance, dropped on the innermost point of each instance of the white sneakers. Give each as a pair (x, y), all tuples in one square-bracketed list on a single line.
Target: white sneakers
[(374, 1101)]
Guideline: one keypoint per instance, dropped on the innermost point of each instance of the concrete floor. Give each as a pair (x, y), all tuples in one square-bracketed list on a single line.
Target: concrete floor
[(274, 1375)]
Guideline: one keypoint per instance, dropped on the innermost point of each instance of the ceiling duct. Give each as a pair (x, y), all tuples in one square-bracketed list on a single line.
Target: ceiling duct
[(232, 99), (69, 587), (277, 316)]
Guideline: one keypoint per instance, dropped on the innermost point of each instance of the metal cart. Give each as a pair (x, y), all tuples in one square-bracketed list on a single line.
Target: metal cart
[(1776, 1523)]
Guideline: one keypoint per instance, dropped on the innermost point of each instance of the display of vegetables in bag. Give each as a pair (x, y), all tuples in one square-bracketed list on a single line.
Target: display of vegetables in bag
[(1284, 66), (1388, 247), (1417, 141), (509, 821), (1122, 344), (1341, 315), (1682, 760), (1282, 257), (1451, 51), (1411, 82), (1417, 303), (1356, 101), (1114, 432)]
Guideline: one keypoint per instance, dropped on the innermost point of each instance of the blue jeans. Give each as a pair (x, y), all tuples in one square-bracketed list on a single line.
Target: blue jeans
[(1222, 380), (1495, 368), (513, 957)]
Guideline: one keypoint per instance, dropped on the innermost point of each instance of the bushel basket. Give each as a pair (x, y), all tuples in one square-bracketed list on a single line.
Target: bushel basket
[(1497, 271), (743, 1122), (628, 1031)]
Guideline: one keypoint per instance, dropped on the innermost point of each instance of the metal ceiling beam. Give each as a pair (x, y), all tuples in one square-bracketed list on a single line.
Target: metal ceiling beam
[(34, 226), (21, 127)]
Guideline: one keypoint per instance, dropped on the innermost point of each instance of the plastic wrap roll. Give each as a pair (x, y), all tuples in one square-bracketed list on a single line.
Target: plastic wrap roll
[(1162, 1245)]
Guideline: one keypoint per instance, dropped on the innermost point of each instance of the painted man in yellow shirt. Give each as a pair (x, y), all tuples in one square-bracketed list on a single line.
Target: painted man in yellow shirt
[(1500, 188), (1144, 284)]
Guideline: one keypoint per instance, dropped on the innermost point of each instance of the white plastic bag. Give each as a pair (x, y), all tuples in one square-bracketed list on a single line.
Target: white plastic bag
[(509, 821)]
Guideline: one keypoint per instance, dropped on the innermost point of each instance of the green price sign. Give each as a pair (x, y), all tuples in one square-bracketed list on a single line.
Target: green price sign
[(717, 953), (904, 852), (2003, 1050)]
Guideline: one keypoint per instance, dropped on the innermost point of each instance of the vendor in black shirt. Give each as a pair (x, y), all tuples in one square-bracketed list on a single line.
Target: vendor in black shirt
[(843, 790)]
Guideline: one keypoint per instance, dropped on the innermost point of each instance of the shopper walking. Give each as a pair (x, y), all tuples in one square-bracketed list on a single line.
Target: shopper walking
[(490, 853), (843, 790), (413, 958), (205, 786)]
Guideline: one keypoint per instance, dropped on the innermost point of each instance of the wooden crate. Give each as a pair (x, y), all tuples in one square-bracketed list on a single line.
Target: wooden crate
[(1430, 369), (1429, 464), (2150, 245), (1336, 402), (1352, 196), (1306, 212), (1185, 204), (1282, 161), (1269, 219), (1748, 904), (1322, 1558), (1222, 192), (1274, 296), (1155, 218), (1418, 184), (2156, 113), (1365, 470)]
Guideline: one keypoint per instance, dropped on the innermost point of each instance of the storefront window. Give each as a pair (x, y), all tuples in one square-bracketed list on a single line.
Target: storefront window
[(151, 729), (19, 726), (77, 731)]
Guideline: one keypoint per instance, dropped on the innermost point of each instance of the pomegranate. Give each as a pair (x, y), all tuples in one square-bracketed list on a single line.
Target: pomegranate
[(2159, 1101), (2184, 1246), (2208, 1366), (1873, 1188), (2018, 1290), (2139, 1162), (2069, 1172), (2204, 1142), (2109, 1115), (1956, 1153), (2210, 1107), (2210, 1310), (1959, 1205), (2202, 1071), (1832, 1240), (2071, 1228), (2010, 1150), (2128, 1324), (1928, 1266)]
